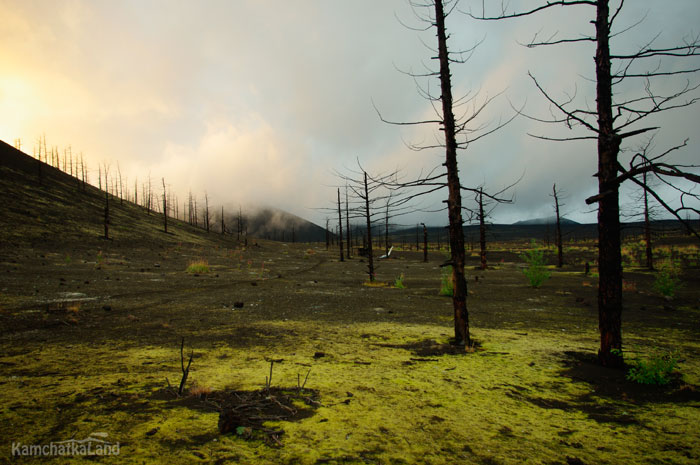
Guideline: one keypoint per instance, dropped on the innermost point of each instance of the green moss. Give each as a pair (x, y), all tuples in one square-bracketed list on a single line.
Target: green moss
[(379, 403)]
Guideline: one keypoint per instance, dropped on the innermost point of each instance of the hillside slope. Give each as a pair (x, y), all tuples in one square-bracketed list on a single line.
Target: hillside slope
[(42, 205)]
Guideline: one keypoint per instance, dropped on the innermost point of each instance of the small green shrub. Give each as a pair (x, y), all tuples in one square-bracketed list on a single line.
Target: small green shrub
[(656, 369), (446, 283), (667, 280), (536, 271), (398, 282), (198, 267)]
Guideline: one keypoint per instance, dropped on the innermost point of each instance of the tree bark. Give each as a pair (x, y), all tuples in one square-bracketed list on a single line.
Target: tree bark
[(165, 209), (609, 255), (106, 215), (347, 223), (370, 253), (340, 229), (454, 200), (647, 226), (482, 231), (560, 252)]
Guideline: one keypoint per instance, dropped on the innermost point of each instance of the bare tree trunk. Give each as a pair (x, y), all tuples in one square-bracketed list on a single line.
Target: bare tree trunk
[(647, 227), (328, 235), (425, 243), (165, 209), (106, 219), (560, 254), (206, 211), (370, 252), (609, 255), (454, 200), (482, 231), (239, 230), (121, 186), (340, 228), (347, 222), (386, 227), (223, 225)]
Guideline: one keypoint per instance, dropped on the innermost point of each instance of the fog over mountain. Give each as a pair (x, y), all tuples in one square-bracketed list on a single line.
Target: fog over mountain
[(259, 102)]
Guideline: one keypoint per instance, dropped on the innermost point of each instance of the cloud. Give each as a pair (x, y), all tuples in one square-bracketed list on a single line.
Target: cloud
[(259, 103)]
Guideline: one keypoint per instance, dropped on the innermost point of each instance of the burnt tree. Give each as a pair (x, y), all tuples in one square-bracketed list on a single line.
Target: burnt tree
[(616, 118), (456, 134), (340, 229), (165, 208), (557, 237)]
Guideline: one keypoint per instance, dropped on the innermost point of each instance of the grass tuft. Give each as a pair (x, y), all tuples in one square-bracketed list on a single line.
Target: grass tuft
[(446, 283), (198, 267)]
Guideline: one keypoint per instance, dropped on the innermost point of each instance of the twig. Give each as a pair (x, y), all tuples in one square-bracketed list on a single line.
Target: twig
[(185, 371), (306, 378)]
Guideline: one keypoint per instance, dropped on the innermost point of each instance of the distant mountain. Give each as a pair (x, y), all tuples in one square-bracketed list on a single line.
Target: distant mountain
[(279, 225), (542, 221)]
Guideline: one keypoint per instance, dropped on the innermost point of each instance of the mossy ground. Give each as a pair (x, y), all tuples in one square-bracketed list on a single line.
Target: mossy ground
[(91, 330), (529, 394)]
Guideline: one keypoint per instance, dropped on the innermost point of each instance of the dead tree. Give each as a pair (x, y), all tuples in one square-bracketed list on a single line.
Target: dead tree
[(206, 211), (387, 216), (347, 223), (368, 201), (340, 228), (239, 229), (223, 225), (456, 135), (485, 204), (185, 370), (643, 206), (425, 243), (121, 186), (106, 217), (558, 238), (617, 118), (165, 208)]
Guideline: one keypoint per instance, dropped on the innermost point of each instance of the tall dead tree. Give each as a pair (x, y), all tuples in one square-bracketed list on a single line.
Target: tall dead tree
[(347, 223), (485, 204), (368, 217), (121, 185), (482, 230), (106, 216), (644, 207), (425, 243), (223, 225), (387, 216), (206, 211), (340, 228), (165, 208), (615, 119), (239, 229), (457, 134), (368, 201), (558, 238)]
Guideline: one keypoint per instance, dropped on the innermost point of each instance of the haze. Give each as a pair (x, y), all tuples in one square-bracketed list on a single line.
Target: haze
[(258, 102)]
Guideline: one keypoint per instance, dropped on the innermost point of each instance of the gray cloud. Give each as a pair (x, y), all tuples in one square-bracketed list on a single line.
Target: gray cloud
[(259, 102)]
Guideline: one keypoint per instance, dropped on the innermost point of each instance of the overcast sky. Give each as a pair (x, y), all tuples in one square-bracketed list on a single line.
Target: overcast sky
[(258, 102)]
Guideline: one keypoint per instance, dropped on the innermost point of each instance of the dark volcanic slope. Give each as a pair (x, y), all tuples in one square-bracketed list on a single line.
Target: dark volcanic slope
[(42, 205)]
